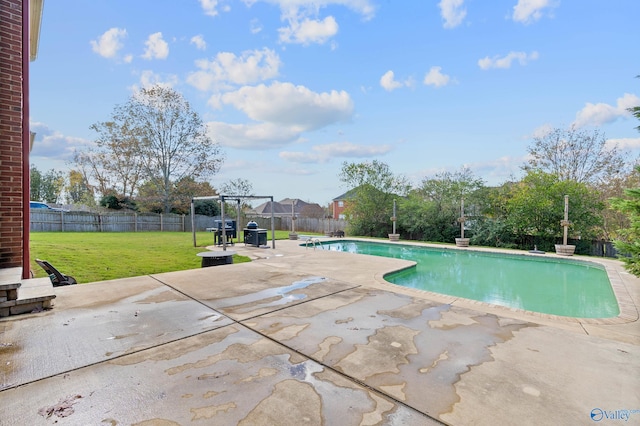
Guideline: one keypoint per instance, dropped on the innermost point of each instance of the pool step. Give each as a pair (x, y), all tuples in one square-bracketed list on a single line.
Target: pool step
[(18, 296)]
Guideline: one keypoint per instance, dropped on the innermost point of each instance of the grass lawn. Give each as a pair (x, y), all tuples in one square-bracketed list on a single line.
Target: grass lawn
[(97, 256)]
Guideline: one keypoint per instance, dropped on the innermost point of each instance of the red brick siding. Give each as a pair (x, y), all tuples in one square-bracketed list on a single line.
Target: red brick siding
[(11, 161), (337, 210)]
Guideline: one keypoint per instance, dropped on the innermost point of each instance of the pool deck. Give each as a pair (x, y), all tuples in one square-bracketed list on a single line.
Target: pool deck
[(309, 336)]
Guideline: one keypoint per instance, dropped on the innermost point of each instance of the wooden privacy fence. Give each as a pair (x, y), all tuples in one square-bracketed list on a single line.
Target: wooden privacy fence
[(57, 221), (52, 221)]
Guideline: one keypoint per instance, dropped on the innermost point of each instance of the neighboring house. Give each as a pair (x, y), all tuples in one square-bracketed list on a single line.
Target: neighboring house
[(19, 34), (340, 203), (283, 208)]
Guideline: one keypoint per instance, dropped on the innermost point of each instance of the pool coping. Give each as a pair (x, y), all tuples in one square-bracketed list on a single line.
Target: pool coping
[(628, 309)]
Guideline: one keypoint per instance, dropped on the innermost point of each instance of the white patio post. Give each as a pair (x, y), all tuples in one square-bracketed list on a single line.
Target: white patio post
[(462, 241), (565, 249), (393, 236)]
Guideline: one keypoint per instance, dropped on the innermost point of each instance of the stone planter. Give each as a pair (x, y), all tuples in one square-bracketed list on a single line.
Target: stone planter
[(394, 237), (462, 242), (565, 250), (293, 236)]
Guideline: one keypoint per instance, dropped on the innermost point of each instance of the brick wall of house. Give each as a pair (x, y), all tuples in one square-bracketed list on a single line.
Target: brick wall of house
[(11, 184), (338, 208)]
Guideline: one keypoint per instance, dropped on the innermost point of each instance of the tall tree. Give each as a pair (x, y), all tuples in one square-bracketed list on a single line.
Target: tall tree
[(436, 205), (629, 240), (173, 139), (35, 180), (156, 138), (46, 187), (614, 220), (241, 187), (375, 187), (237, 187), (575, 155), (78, 189), (187, 188), (115, 161), (449, 187), (536, 207)]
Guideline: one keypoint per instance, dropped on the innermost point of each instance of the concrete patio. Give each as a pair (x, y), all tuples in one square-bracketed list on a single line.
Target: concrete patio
[(304, 336)]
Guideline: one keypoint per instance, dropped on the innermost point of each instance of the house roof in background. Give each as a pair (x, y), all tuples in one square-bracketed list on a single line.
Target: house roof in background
[(283, 207), (347, 195)]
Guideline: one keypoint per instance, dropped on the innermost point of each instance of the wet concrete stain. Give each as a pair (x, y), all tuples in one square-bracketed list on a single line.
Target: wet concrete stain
[(240, 352), (262, 373), (325, 346), (410, 349), (291, 403), (211, 411), (287, 332), (9, 360), (395, 342), (414, 309), (230, 375), (177, 349), (270, 297), (164, 296)]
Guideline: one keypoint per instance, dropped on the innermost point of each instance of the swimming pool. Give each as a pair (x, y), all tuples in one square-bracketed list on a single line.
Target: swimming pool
[(542, 284)]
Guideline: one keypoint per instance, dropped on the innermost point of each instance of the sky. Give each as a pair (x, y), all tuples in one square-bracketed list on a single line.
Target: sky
[(292, 89)]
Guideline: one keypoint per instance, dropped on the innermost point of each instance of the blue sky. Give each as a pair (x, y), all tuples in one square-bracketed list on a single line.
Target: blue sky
[(291, 89)]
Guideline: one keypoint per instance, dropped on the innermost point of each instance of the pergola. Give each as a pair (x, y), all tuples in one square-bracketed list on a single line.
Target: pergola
[(237, 199)]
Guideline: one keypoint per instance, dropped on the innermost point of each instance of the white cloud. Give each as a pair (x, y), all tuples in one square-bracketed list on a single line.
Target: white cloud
[(251, 136), (198, 41), (309, 31), (324, 153), (527, 11), (255, 26), (435, 78), (210, 7), (288, 105), (149, 78), (109, 43), (282, 112), (388, 82), (156, 47), (309, 8), (453, 12), (227, 68), (601, 113), (304, 24), (505, 62), (53, 145), (623, 143), (542, 131)]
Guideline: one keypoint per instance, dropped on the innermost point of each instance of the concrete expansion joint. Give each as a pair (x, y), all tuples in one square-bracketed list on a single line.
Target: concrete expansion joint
[(297, 352), (340, 373)]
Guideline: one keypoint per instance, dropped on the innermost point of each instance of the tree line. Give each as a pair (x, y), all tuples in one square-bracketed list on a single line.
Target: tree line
[(601, 181), (153, 154)]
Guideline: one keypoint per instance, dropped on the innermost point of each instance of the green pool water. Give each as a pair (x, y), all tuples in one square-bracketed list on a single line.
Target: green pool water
[(548, 285)]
